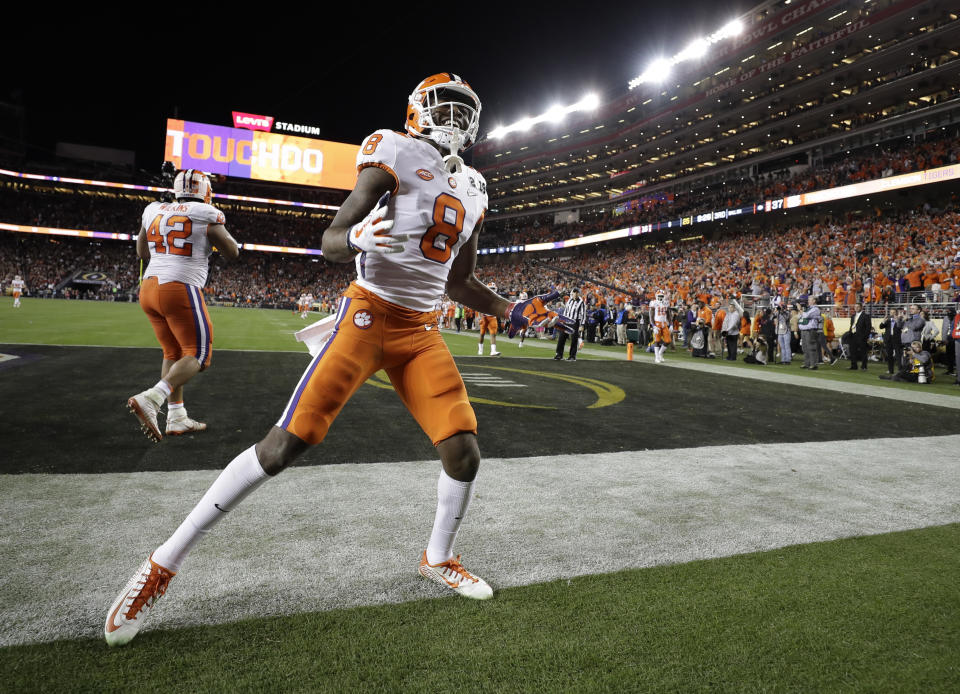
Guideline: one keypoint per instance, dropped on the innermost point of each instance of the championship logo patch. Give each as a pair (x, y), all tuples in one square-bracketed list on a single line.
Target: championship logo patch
[(424, 174), (362, 319), (452, 181)]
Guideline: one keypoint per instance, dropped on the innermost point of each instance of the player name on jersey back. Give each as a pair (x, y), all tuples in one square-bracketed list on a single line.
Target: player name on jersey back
[(437, 209), (177, 236)]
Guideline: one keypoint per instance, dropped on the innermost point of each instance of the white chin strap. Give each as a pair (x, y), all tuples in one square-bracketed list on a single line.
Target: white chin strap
[(453, 162)]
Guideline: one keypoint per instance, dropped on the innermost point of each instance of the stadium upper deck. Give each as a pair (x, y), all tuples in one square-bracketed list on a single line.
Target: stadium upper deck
[(805, 79)]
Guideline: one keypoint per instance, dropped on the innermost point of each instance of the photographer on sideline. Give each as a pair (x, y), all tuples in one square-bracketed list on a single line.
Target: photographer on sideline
[(783, 333), (916, 366), (809, 325)]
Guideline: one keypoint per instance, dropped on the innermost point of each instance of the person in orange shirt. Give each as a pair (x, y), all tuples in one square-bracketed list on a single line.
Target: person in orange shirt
[(840, 295), (828, 337), (716, 337), (745, 323), (915, 280)]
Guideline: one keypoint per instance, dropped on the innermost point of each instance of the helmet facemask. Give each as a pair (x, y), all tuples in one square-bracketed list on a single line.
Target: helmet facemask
[(449, 116)]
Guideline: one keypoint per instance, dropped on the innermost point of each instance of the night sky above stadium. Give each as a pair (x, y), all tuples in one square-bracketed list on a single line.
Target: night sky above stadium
[(346, 78)]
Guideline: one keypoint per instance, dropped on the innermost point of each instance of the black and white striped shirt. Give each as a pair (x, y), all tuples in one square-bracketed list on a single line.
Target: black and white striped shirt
[(576, 309)]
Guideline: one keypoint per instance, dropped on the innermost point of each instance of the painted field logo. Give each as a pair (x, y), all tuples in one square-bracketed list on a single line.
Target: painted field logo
[(424, 174), (362, 319), (540, 387)]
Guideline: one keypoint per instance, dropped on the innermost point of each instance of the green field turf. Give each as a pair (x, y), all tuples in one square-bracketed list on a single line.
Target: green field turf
[(874, 614)]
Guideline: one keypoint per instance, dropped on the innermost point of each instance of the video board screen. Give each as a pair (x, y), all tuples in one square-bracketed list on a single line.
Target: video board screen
[(261, 156)]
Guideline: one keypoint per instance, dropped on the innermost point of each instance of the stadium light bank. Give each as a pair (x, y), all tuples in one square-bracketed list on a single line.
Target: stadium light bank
[(660, 69), (553, 115)]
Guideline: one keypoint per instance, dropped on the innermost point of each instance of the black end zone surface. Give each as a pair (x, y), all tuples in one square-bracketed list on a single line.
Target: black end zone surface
[(64, 411)]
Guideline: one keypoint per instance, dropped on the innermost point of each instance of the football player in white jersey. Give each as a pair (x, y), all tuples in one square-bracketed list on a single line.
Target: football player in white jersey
[(178, 238), (660, 320), (410, 226), (18, 286)]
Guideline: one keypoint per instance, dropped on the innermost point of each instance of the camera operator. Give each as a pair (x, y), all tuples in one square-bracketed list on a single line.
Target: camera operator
[(916, 366), (809, 325), (783, 333), (758, 355)]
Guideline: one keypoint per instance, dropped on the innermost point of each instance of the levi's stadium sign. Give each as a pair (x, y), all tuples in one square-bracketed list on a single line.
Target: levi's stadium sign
[(260, 155), (251, 121)]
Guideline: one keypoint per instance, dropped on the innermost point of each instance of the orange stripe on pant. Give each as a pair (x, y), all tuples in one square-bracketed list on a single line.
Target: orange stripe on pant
[(180, 320), (373, 334)]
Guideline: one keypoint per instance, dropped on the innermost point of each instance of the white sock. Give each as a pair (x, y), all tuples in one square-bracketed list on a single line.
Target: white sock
[(176, 408), (453, 498), (480, 349), (164, 388), (241, 477)]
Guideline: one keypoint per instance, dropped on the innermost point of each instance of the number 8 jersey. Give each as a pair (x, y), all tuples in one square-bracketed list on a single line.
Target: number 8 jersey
[(438, 209), (177, 236)]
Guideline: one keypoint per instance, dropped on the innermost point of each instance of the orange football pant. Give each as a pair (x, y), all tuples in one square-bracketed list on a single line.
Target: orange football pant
[(371, 334), (179, 318), (661, 333), (488, 324)]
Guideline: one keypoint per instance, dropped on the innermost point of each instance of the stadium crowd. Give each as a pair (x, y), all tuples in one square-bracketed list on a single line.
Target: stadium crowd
[(939, 149), (883, 259), (107, 210)]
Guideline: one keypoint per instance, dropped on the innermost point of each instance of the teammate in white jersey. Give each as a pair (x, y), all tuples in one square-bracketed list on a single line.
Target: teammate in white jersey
[(178, 238), (18, 286), (660, 320), (411, 226)]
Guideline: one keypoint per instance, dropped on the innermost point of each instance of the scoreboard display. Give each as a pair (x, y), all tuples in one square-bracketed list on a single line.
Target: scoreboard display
[(261, 156)]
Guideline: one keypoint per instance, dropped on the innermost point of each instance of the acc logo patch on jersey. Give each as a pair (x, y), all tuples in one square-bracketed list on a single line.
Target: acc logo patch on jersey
[(362, 319), (424, 174), (452, 181)]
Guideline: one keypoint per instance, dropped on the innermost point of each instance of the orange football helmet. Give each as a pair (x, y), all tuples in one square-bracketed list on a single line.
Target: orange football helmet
[(444, 108)]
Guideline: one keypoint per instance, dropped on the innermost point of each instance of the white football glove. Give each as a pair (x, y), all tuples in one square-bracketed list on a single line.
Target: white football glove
[(372, 234)]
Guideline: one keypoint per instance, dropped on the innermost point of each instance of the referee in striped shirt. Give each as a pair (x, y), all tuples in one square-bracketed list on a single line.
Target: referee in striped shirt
[(576, 310)]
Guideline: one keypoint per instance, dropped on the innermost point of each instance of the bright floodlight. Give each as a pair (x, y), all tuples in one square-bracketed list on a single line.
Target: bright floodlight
[(554, 114), (732, 28), (659, 70), (697, 49), (589, 102)]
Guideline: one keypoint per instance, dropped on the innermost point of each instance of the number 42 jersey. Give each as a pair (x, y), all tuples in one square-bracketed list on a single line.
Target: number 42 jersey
[(177, 236), (439, 211)]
